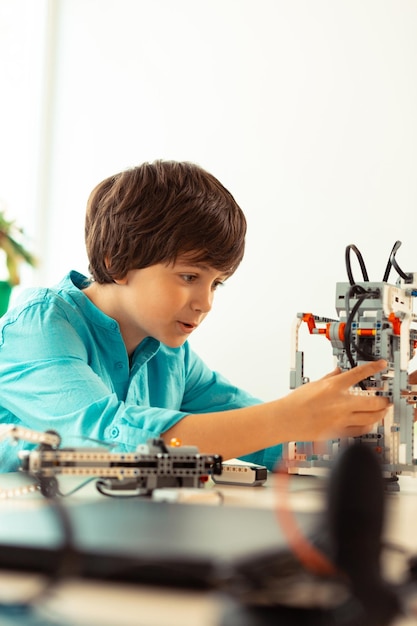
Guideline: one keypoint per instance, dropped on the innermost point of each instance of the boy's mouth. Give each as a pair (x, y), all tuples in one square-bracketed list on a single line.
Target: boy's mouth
[(186, 326)]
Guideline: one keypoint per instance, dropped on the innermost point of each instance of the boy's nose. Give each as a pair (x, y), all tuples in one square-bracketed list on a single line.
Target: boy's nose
[(202, 302)]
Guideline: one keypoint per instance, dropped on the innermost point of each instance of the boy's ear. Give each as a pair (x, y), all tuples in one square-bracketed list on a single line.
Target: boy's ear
[(121, 281), (118, 281)]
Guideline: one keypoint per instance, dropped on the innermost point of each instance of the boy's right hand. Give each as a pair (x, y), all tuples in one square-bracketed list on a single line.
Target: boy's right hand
[(330, 407)]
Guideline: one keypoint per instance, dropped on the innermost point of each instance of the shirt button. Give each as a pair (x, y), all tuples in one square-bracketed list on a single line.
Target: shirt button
[(118, 365), (114, 432)]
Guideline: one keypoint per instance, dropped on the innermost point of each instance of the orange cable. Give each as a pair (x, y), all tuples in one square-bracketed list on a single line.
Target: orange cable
[(309, 555)]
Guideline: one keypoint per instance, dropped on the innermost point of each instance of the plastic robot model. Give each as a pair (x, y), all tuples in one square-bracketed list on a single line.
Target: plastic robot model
[(376, 321), (153, 465)]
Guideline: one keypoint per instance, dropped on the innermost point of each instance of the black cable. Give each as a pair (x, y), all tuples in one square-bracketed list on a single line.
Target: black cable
[(104, 486), (404, 275), (348, 327), (347, 341), (367, 356), (361, 263), (393, 252)]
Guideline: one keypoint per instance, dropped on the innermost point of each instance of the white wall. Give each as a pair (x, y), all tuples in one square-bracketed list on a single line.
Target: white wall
[(304, 109), (23, 25)]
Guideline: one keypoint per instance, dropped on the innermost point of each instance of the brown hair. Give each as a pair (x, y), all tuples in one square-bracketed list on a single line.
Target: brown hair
[(157, 211)]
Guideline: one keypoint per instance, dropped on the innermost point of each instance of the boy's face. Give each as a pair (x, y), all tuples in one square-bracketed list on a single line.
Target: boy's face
[(167, 302)]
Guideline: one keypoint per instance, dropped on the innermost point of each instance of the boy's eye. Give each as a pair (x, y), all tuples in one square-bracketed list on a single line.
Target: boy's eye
[(189, 278)]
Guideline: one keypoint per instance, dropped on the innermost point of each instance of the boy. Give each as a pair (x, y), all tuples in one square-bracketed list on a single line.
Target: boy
[(107, 358)]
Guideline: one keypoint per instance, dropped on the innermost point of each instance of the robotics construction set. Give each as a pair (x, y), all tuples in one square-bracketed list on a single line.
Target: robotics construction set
[(151, 466), (375, 321)]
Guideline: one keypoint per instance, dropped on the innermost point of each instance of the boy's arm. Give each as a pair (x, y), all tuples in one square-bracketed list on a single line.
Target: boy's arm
[(318, 410)]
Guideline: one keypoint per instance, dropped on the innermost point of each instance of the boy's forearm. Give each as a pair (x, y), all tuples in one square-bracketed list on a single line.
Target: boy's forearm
[(318, 410), (233, 433)]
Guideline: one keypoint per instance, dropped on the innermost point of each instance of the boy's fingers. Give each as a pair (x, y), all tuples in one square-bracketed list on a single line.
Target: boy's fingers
[(356, 374)]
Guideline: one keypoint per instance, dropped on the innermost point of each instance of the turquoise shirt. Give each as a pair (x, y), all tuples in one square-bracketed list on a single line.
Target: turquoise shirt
[(64, 366)]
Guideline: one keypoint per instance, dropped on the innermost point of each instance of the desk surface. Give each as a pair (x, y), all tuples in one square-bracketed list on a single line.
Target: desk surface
[(87, 603)]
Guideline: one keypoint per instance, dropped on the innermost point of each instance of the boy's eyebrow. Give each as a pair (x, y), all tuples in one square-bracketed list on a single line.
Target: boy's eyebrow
[(200, 266), (191, 263)]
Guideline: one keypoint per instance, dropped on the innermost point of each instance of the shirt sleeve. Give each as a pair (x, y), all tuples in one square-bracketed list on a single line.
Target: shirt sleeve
[(209, 391)]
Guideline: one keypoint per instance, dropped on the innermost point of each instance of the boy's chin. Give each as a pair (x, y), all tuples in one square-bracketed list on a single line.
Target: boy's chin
[(174, 344)]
